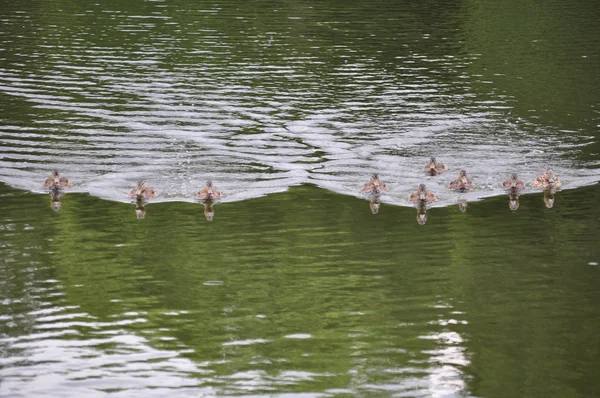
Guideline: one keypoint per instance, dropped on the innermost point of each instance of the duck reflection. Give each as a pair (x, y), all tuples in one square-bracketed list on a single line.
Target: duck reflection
[(549, 198), (421, 212), (55, 196), (462, 205), (374, 204), (209, 210), (513, 201), (140, 209)]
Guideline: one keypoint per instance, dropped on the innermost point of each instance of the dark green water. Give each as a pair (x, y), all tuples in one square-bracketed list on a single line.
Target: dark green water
[(296, 288), (300, 292)]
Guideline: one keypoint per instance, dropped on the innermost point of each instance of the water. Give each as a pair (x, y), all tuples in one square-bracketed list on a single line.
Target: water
[(263, 97), (296, 288)]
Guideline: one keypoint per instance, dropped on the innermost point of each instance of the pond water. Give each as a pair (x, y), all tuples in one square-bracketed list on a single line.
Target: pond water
[(296, 288)]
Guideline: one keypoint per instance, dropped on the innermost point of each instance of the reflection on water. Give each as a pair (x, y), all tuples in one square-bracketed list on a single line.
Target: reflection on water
[(209, 209), (140, 209), (299, 292), (513, 201), (549, 198), (302, 291)]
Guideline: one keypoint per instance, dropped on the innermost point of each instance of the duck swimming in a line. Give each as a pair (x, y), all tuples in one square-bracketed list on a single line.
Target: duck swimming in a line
[(57, 181), (547, 180), (434, 167), (142, 191), (375, 185), (209, 192), (513, 183), (422, 194), (462, 183)]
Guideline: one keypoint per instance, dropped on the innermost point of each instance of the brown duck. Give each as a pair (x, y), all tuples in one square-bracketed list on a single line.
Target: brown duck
[(375, 185), (142, 191), (462, 183), (434, 167), (209, 192), (547, 180), (513, 183), (422, 194), (57, 181)]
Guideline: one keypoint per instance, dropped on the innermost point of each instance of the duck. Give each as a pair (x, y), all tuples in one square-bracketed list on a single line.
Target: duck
[(513, 183), (142, 191), (434, 167), (57, 181), (209, 192), (462, 183), (547, 180), (422, 194), (375, 185)]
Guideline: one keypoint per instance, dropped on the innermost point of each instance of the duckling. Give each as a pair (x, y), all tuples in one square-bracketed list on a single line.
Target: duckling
[(142, 191), (434, 167), (56, 181), (462, 183), (422, 194), (209, 192), (375, 185), (547, 180), (513, 183)]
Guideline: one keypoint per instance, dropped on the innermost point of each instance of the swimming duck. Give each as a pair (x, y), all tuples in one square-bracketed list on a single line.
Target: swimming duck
[(547, 180), (434, 167), (209, 192), (375, 185), (513, 183), (142, 191), (56, 181), (422, 194), (462, 183)]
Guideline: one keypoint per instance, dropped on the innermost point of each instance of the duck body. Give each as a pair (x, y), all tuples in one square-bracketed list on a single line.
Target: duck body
[(422, 194), (142, 191), (434, 167), (462, 183), (375, 185), (209, 192), (513, 183), (547, 180), (57, 181)]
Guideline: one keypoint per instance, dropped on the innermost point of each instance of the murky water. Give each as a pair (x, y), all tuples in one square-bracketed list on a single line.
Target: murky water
[(293, 288)]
